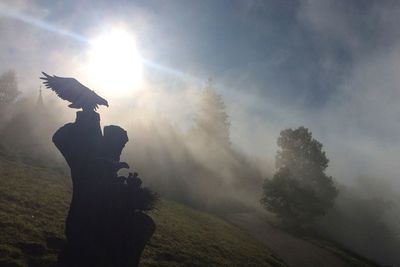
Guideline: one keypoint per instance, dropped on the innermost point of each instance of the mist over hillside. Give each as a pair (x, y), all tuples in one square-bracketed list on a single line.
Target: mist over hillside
[(193, 165), (330, 66), (210, 174)]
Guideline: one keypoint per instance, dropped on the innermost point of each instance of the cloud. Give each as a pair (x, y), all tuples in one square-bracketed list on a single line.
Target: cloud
[(359, 124)]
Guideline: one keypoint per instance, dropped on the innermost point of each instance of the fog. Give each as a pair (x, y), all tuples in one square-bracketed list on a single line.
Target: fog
[(335, 71)]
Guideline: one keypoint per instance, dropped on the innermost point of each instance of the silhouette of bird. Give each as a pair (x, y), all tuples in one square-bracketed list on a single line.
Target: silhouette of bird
[(73, 91)]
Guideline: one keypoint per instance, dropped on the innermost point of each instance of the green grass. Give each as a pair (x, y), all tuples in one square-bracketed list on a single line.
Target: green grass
[(34, 202)]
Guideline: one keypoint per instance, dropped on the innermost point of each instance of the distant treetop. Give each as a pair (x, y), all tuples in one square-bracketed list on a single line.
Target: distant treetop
[(8, 87)]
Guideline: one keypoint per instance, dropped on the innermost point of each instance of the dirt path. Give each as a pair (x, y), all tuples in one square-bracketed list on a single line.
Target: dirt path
[(294, 251)]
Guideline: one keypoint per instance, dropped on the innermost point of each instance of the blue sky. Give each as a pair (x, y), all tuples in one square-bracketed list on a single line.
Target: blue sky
[(329, 65), (267, 40), (263, 39)]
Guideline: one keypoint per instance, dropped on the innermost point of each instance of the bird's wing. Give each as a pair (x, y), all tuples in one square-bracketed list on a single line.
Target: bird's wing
[(66, 88)]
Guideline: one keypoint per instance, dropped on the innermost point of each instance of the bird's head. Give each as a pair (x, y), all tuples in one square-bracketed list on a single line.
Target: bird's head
[(103, 102)]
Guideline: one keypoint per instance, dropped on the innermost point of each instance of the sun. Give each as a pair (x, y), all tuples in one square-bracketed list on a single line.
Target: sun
[(114, 62)]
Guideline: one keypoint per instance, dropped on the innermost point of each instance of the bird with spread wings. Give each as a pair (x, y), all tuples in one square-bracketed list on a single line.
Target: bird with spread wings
[(73, 91)]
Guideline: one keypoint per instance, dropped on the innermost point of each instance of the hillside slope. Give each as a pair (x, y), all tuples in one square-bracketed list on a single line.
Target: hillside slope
[(297, 251), (34, 202)]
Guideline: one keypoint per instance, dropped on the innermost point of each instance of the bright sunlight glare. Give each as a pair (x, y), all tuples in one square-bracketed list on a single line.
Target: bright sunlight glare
[(114, 62)]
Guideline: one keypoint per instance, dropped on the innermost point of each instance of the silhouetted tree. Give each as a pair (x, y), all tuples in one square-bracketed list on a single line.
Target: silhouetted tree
[(8, 87), (300, 190), (212, 121)]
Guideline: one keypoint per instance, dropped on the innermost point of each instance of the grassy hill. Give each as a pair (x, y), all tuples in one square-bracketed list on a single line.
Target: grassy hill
[(34, 202)]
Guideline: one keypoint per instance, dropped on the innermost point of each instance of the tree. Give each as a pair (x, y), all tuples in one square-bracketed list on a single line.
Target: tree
[(212, 121), (8, 87), (300, 190)]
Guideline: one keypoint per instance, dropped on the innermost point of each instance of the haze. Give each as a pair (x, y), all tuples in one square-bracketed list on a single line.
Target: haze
[(331, 66)]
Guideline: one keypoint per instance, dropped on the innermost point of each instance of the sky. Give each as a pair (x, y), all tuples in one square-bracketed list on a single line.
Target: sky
[(329, 65)]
